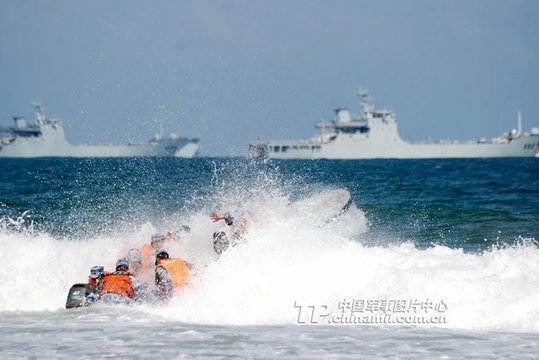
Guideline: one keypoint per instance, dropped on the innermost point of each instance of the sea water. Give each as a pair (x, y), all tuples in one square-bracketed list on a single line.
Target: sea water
[(434, 258)]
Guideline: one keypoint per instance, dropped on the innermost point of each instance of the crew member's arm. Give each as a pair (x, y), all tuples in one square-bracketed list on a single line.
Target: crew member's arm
[(138, 287), (229, 219), (163, 282)]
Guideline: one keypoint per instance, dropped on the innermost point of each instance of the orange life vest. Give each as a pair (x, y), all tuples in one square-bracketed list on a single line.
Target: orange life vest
[(117, 283), (177, 270), (145, 256)]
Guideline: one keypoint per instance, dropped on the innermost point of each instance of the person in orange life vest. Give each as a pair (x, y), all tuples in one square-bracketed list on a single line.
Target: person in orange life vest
[(147, 252), (171, 275), (94, 280), (120, 286)]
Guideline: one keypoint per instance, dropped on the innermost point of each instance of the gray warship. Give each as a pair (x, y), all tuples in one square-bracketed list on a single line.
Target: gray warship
[(45, 138), (374, 135)]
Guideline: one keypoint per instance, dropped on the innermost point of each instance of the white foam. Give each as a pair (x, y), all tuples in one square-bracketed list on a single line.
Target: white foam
[(258, 283)]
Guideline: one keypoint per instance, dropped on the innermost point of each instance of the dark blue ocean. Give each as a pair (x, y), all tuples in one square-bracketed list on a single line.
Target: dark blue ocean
[(469, 204), (461, 233)]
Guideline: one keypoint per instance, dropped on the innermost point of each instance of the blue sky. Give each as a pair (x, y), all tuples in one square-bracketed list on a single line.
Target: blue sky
[(227, 71)]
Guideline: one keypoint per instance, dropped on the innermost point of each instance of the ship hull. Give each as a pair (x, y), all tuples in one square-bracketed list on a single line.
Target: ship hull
[(522, 147), (22, 148)]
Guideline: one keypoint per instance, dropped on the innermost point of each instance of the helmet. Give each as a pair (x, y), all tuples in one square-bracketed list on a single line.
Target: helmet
[(122, 262), (162, 253), (157, 237), (96, 271)]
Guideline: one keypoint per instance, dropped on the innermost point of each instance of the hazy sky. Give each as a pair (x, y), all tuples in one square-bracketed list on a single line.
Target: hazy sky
[(227, 71)]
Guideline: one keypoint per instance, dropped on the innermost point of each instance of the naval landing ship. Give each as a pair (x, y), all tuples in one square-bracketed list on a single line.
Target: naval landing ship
[(45, 138), (374, 135)]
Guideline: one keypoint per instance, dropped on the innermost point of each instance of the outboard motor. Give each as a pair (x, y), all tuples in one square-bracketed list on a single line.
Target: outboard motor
[(78, 296)]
